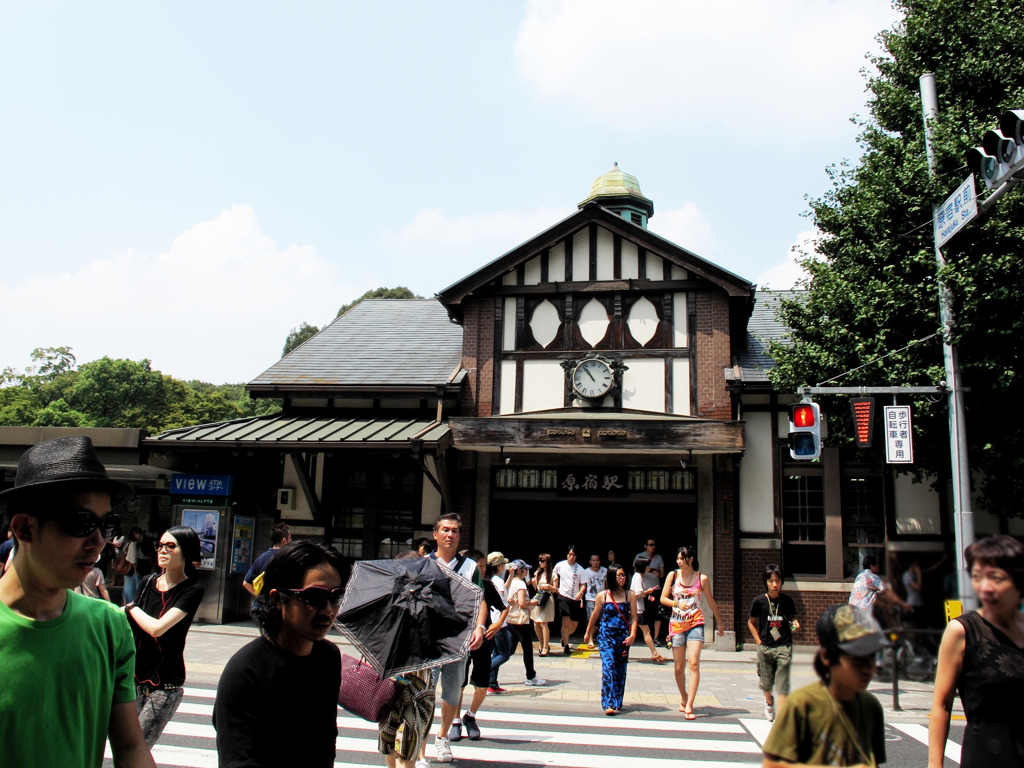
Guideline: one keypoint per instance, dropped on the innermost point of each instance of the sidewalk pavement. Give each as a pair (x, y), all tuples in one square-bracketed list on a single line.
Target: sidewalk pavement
[(728, 680)]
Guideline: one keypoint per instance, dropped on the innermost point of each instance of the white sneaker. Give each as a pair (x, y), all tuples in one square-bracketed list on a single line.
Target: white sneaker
[(537, 681), (443, 749), (422, 764), (769, 712)]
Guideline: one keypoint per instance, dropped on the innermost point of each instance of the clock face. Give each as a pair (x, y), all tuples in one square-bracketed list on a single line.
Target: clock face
[(592, 378)]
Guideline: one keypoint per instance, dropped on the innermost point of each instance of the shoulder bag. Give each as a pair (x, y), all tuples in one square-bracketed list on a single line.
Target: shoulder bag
[(363, 692)]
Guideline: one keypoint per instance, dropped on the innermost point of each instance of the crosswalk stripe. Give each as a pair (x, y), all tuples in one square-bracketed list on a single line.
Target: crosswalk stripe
[(642, 742), (367, 744), (603, 722), (759, 729), (920, 733)]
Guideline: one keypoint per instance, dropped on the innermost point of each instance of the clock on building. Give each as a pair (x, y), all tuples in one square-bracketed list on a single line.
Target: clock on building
[(592, 378)]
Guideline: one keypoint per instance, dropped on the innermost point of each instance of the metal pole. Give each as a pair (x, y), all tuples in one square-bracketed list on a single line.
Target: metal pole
[(963, 514)]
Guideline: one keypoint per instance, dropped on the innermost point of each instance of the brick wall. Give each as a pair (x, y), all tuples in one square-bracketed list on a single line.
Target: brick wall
[(724, 586), (478, 357), (809, 605), (713, 355)]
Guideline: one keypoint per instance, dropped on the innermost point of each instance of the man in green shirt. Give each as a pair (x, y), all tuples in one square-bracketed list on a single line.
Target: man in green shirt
[(834, 722), (68, 661)]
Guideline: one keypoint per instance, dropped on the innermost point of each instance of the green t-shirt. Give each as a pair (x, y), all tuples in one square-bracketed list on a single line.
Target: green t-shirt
[(808, 731), (59, 680)]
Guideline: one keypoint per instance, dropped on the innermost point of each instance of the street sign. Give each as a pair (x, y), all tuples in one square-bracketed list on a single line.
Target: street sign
[(899, 437), (953, 215)]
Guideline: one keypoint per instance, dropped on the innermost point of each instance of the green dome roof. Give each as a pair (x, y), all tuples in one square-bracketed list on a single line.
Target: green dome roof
[(615, 182), (620, 191)]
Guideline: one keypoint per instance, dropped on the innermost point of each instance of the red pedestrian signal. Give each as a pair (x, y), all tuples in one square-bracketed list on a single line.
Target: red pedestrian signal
[(804, 431)]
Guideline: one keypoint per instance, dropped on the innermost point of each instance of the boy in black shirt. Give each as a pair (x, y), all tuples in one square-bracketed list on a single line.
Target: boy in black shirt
[(772, 623)]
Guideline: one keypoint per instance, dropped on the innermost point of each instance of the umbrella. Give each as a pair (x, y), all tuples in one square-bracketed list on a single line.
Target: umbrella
[(408, 614)]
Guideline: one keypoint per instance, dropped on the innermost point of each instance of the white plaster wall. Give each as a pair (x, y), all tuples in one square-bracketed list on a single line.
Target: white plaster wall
[(507, 400), (531, 271), (757, 508), (581, 256), (680, 318), (556, 263), (917, 507), (630, 261), (655, 271), (508, 324), (605, 254), (681, 387), (543, 385), (643, 385)]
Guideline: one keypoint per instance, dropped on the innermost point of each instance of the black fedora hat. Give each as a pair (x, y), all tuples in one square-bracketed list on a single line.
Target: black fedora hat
[(64, 463)]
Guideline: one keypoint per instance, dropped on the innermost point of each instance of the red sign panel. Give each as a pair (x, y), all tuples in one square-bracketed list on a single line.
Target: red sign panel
[(863, 421)]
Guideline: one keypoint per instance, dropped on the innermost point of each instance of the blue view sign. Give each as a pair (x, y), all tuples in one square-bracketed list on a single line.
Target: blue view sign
[(201, 485)]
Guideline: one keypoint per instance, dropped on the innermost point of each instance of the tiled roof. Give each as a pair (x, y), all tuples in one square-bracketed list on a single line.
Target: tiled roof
[(763, 327), (378, 343)]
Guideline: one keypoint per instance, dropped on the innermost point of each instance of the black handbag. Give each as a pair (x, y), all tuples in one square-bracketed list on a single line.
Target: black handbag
[(544, 597)]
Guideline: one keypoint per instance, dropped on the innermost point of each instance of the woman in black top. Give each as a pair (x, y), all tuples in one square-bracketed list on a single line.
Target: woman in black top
[(982, 655), (277, 700), (164, 607)]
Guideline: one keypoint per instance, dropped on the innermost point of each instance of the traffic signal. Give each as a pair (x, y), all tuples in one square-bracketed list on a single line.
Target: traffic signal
[(804, 431), (1001, 153)]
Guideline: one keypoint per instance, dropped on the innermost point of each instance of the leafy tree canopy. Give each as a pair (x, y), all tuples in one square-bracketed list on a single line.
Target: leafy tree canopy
[(872, 289), (115, 393), (298, 336), (401, 292)]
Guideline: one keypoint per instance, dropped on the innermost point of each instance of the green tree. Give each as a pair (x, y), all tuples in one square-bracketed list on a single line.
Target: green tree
[(298, 336), (401, 292), (873, 289), (120, 393)]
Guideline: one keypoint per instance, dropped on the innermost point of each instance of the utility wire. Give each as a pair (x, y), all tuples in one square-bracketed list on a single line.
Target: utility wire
[(872, 362)]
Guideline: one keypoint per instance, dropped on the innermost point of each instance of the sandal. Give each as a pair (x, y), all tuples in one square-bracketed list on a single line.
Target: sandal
[(658, 658), (689, 715), (543, 653), (610, 711)]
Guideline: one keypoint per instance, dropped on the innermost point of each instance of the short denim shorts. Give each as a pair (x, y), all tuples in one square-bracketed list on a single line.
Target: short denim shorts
[(696, 634)]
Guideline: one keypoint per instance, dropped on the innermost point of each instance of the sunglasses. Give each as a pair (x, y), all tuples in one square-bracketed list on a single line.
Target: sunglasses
[(170, 546), (82, 522), (315, 597)]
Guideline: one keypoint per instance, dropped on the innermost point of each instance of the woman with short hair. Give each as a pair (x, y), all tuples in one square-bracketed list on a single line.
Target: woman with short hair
[(277, 700), (982, 656)]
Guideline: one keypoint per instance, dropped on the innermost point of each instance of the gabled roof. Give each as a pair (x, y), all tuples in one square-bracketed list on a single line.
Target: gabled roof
[(383, 345), (752, 361), (735, 286)]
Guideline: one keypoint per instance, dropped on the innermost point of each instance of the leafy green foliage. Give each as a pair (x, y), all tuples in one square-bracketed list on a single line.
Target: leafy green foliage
[(116, 393), (873, 289), (401, 292), (298, 336)]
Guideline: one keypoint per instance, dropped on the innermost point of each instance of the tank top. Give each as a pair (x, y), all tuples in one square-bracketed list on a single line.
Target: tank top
[(686, 613)]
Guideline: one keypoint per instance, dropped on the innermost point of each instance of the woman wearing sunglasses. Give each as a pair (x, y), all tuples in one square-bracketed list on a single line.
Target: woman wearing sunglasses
[(286, 682), (160, 617)]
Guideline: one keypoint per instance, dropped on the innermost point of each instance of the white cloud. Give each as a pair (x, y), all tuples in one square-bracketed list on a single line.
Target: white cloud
[(217, 305), (670, 64), (785, 275), (687, 227)]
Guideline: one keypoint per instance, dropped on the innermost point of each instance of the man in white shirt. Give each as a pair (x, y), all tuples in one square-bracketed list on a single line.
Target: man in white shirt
[(594, 578), (656, 567), (567, 579), (447, 534)]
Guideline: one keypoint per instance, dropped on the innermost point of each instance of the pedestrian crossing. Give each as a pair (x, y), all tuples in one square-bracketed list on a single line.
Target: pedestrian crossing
[(538, 738)]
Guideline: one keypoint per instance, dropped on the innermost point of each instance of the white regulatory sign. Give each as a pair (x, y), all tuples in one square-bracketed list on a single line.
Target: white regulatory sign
[(953, 215), (899, 437)]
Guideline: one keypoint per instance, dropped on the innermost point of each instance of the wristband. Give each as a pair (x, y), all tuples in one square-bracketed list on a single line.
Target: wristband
[(481, 626)]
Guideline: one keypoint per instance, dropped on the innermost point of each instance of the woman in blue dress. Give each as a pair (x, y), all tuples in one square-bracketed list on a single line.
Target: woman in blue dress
[(615, 610)]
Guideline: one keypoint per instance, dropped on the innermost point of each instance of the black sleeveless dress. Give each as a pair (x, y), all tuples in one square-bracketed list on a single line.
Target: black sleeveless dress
[(991, 687)]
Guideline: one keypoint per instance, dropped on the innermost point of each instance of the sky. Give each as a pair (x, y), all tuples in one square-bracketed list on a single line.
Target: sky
[(186, 182)]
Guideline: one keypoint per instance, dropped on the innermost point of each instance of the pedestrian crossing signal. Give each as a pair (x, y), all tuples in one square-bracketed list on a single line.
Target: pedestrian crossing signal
[(805, 431)]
